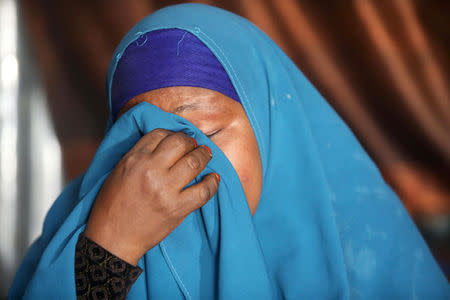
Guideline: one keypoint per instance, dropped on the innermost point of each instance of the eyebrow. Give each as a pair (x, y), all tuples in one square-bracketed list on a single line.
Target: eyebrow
[(192, 107)]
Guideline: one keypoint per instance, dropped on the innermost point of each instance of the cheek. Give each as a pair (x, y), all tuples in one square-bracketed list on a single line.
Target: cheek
[(244, 156), (244, 171), (237, 154)]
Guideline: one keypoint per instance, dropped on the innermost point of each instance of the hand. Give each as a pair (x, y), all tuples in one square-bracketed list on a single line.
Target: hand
[(143, 199)]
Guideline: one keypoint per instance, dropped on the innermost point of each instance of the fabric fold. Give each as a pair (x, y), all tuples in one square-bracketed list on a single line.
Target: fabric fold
[(192, 253), (327, 225)]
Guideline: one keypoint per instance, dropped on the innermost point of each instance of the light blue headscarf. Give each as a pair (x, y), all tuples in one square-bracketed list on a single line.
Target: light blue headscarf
[(327, 225)]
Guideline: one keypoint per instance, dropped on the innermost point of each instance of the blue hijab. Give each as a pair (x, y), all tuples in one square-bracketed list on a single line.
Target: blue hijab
[(327, 225)]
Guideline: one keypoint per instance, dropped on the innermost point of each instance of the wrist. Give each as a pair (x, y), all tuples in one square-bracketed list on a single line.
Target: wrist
[(115, 244)]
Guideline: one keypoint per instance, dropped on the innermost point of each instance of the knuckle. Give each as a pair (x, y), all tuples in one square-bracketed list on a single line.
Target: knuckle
[(154, 179), (160, 132), (167, 206), (129, 161), (150, 184), (149, 175), (155, 175), (214, 182), (163, 206), (204, 193), (178, 139), (193, 162), (160, 199)]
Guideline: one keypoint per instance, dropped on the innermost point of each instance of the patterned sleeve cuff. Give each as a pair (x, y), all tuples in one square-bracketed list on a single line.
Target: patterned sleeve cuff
[(99, 274)]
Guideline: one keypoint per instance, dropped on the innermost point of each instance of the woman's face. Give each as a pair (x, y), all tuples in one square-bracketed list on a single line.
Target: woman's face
[(223, 120)]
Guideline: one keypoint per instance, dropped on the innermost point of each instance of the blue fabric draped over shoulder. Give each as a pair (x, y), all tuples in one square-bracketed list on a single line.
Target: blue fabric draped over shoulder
[(327, 226)]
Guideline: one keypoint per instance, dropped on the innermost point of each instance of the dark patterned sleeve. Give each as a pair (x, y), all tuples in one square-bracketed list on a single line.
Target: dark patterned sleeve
[(100, 274)]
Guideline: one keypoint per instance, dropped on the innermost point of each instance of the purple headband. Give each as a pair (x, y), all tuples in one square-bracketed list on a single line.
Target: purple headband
[(164, 58)]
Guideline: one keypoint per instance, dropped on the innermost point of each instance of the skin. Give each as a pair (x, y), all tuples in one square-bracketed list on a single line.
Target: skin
[(143, 199), (224, 121)]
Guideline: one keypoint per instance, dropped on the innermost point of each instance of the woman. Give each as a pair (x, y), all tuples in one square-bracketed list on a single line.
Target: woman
[(300, 211)]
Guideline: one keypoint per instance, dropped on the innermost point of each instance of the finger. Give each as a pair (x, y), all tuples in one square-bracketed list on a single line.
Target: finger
[(198, 195), (148, 142), (172, 148), (190, 165)]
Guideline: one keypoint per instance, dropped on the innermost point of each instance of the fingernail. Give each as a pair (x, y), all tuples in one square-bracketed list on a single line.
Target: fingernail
[(209, 150), (195, 142), (218, 177)]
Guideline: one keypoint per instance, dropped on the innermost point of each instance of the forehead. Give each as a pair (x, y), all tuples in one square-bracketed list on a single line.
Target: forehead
[(181, 99)]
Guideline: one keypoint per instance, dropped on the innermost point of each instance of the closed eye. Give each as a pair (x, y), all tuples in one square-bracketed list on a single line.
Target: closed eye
[(214, 133)]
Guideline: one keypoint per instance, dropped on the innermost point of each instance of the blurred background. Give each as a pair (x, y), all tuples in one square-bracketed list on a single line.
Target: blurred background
[(383, 65)]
